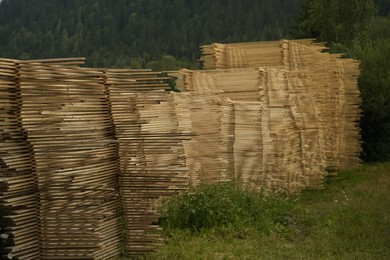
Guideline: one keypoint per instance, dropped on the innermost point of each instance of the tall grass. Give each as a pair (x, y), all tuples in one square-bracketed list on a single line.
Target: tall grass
[(348, 219), (225, 205)]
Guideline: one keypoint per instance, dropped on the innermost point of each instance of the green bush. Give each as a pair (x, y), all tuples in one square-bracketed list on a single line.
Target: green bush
[(374, 84), (226, 204), (350, 27)]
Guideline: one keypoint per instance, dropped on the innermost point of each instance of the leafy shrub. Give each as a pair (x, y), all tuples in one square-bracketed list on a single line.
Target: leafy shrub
[(374, 84), (350, 27), (226, 204)]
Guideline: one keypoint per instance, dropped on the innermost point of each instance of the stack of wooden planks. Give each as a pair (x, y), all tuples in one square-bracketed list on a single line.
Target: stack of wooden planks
[(209, 152), (66, 113), (334, 90), (266, 146), (86, 154), (331, 83), (18, 181), (242, 55), (151, 152)]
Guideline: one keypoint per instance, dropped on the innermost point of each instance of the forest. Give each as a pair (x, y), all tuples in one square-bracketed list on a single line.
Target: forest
[(166, 35), (123, 33)]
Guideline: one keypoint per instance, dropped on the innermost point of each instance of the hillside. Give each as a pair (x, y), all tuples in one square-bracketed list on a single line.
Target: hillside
[(122, 33)]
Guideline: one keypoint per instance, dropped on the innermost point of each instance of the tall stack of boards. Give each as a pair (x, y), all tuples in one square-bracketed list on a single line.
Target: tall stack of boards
[(87, 154)]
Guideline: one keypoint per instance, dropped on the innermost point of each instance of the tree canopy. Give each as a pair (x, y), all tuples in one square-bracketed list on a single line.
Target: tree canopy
[(356, 28), (123, 33), (337, 21)]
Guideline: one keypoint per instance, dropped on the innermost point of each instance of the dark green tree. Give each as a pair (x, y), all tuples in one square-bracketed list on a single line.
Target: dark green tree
[(145, 30), (374, 84), (349, 26), (337, 21)]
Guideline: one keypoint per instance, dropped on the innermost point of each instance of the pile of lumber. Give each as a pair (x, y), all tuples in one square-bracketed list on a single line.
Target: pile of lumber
[(268, 147), (86, 154), (151, 152), (65, 113), (209, 152), (294, 110), (331, 83), (242, 55), (18, 182)]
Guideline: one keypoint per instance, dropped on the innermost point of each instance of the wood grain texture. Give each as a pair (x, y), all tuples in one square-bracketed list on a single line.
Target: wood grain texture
[(329, 80), (86, 154), (85, 157)]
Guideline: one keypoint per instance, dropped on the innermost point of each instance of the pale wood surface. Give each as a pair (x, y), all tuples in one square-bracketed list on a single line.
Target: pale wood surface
[(85, 152), (331, 83)]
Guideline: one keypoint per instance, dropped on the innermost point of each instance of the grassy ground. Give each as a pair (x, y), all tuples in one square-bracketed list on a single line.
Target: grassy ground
[(348, 219)]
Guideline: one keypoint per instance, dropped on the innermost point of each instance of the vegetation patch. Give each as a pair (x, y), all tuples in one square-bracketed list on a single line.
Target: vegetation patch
[(225, 205), (348, 219)]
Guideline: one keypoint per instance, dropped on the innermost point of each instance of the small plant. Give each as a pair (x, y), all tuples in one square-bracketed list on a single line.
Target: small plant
[(125, 234), (3, 240), (223, 205)]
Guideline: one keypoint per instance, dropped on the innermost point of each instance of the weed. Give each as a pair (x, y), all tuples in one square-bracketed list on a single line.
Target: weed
[(348, 219), (226, 205)]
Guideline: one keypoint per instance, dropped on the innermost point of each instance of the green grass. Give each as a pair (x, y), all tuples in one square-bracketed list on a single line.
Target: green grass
[(348, 219)]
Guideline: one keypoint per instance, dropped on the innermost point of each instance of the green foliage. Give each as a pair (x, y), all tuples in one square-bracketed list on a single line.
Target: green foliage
[(379, 28), (124, 236), (222, 205), (337, 21), (374, 84), (3, 240), (168, 62), (348, 219), (116, 33), (350, 28), (383, 7)]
